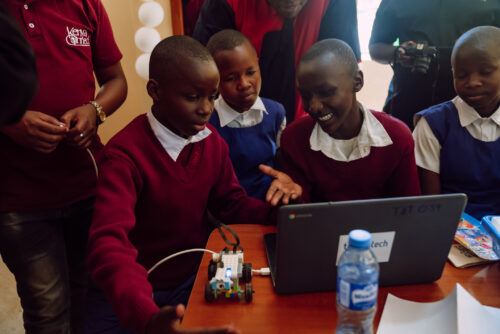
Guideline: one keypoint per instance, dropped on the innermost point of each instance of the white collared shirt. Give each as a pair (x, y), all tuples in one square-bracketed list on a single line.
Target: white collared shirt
[(171, 142), (372, 134), (427, 147), (253, 116)]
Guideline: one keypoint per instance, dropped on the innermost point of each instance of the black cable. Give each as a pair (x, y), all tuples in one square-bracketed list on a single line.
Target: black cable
[(235, 245)]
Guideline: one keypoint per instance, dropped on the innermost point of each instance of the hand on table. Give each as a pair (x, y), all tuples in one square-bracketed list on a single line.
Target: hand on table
[(82, 125), (282, 188), (38, 131), (166, 321)]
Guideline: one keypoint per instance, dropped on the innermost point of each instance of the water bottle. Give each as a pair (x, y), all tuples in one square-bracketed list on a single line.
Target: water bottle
[(357, 285)]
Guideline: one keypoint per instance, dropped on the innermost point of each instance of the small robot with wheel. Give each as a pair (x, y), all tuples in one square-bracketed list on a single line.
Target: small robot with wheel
[(225, 271)]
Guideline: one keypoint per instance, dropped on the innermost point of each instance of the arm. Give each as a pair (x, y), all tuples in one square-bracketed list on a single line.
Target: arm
[(385, 31), (290, 168), (404, 179), (215, 16), (340, 21), (111, 255), (382, 52), (387, 28), (429, 181), (282, 188), (389, 54), (82, 119), (427, 156), (113, 85), (18, 79), (167, 321), (106, 64)]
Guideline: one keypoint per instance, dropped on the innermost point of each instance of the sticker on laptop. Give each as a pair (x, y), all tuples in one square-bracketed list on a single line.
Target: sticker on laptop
[(381, 245)]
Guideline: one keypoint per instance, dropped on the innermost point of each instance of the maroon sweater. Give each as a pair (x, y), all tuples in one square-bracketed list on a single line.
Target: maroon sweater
[(388, 171), (149, 207)]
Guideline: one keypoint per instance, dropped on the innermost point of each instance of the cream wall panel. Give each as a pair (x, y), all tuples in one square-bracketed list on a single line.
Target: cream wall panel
[(125, 22)]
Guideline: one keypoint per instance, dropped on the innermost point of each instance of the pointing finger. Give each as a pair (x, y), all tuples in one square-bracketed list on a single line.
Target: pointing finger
[(268, 170)]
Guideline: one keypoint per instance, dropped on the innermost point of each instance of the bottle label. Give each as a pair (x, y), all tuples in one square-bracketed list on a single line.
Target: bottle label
[(357, 296)]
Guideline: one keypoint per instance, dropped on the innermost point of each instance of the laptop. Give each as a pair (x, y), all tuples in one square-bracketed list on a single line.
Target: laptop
[(411, 238)]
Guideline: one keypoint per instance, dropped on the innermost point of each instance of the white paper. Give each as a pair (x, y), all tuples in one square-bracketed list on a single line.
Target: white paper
[(458, 313), (473, 317), (403, 316)]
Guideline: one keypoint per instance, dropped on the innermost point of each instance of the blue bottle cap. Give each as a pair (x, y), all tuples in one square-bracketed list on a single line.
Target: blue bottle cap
[(360, 239)]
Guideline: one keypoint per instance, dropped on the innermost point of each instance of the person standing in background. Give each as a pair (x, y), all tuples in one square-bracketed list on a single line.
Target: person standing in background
[(48, 172), (281, 32), (436, 22)]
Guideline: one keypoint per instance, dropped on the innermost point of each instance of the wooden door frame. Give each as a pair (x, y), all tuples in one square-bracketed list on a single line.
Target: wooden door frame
[(177, 18)]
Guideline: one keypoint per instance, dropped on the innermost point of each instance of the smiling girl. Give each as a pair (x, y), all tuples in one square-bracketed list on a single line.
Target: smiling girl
[(344, 151)]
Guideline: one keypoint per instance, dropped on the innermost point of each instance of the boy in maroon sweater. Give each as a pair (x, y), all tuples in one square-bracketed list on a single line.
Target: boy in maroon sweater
[(159, 177), (344, 151)]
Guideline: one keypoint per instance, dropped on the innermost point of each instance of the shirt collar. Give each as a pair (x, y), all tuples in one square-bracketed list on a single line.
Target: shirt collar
[(227, 114), (468, 115), (372, 133), (171, 142)]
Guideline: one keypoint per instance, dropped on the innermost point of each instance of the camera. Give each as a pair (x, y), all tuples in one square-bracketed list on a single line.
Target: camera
[(422, 54)]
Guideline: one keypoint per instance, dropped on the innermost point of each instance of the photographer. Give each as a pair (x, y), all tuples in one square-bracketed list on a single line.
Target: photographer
[(422, 77)]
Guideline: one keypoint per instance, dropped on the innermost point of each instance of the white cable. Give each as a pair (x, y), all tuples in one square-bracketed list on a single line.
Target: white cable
[(93, 161), (179, 253), (262, 271)]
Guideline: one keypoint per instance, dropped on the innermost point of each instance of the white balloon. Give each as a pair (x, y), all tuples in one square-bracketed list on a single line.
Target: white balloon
[(142, 65), (146, 38), (151, 14)]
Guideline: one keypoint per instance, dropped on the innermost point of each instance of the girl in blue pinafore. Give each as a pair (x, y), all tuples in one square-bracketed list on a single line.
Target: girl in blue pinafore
[(457, 145)]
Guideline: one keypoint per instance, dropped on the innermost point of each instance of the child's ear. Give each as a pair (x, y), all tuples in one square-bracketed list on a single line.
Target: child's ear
[(358, 81), (152, 86)]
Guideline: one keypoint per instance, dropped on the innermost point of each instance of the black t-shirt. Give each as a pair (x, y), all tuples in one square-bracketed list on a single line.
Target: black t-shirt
[(440, 23)]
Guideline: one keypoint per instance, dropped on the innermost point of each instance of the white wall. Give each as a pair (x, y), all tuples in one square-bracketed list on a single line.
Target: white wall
[(377, 78)]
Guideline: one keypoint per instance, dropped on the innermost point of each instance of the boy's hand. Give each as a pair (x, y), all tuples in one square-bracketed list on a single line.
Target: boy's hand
[(38, 131), (166, 321), (282, 188), (82, 125)]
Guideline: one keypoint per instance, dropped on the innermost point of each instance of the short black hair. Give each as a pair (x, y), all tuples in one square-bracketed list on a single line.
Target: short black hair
[(480, 38), (171, 51), (340, 50), (227, 39)]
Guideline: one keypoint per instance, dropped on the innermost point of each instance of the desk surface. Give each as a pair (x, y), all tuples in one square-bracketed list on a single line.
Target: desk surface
[(314, 312)]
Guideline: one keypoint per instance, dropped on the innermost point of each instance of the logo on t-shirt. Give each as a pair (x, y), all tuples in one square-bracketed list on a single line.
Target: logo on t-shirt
[(77, 37)]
